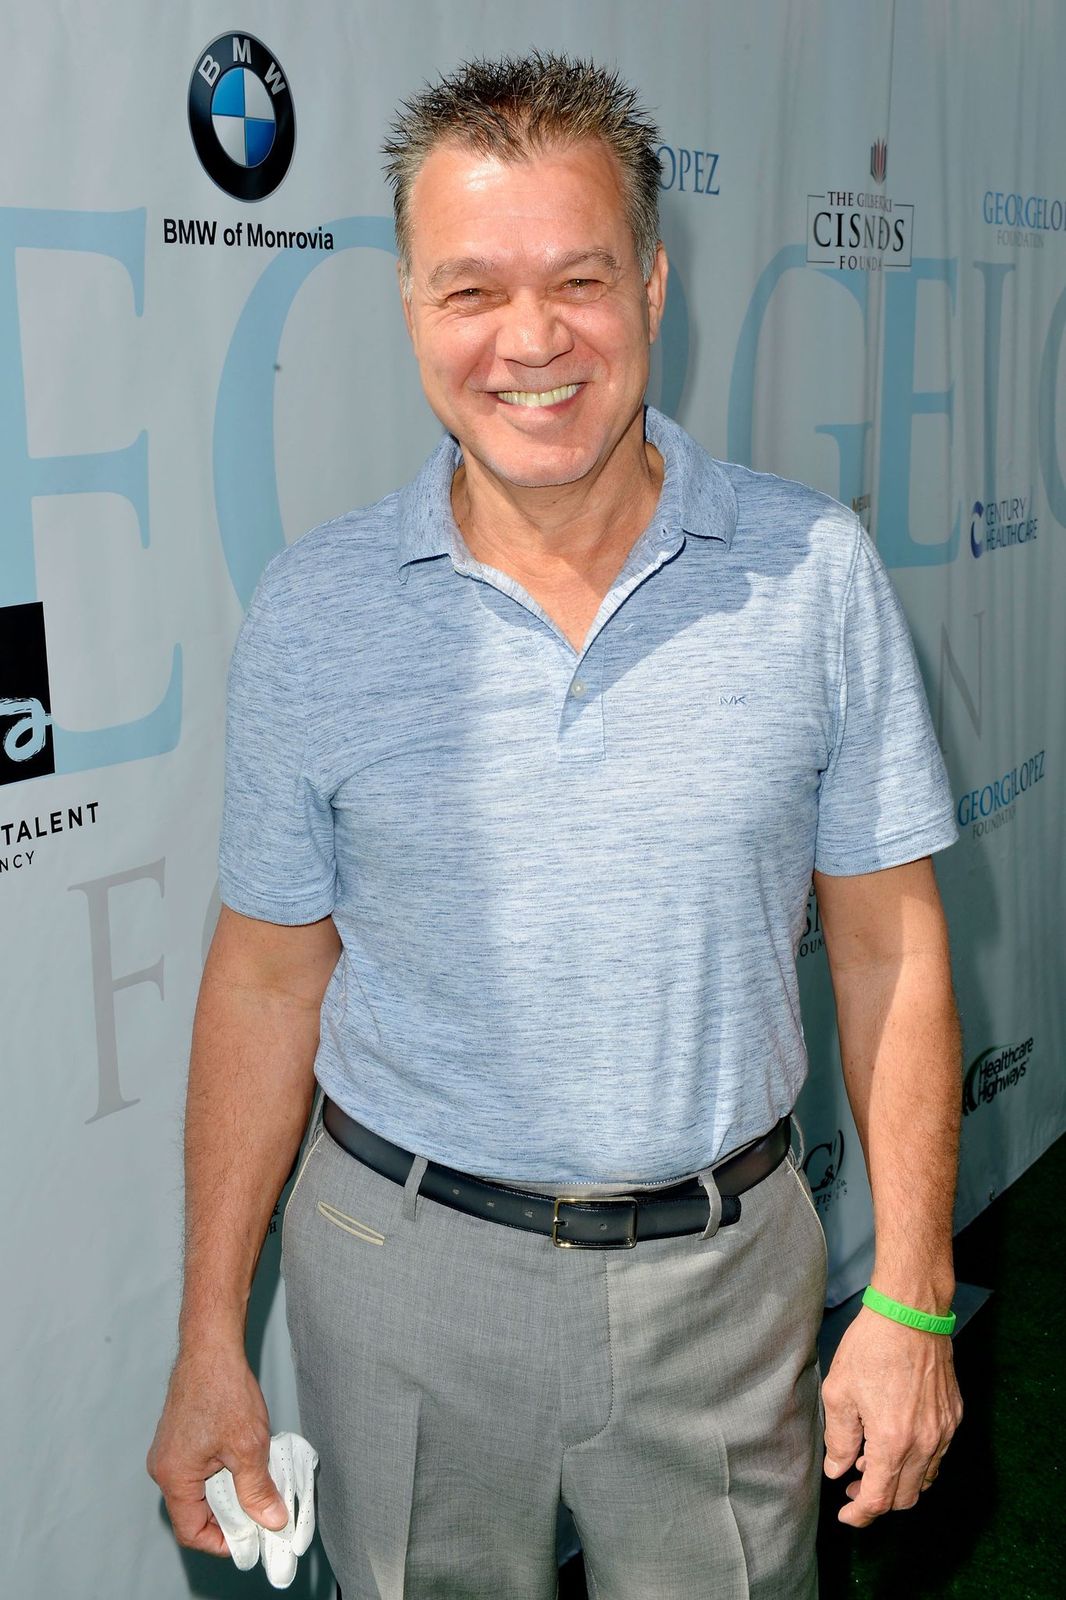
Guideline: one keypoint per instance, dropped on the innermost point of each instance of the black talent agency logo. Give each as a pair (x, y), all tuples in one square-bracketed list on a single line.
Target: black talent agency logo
[(995, 1070), (241, 116), (26, 749), (823, 1166)]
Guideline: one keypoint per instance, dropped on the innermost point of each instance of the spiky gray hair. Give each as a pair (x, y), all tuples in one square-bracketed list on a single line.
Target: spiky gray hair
[(515, 107)]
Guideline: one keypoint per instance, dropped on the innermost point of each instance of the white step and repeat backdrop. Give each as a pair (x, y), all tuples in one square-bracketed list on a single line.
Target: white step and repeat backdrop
[(865, 211)]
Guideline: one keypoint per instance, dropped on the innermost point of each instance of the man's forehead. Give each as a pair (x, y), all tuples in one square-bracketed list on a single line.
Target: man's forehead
[(457, 165), (556, 207)]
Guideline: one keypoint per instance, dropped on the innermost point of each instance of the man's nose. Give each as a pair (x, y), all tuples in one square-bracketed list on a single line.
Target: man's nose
[(532, 332)]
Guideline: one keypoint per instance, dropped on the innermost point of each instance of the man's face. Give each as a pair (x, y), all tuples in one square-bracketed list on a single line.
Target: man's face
[(528, 313)]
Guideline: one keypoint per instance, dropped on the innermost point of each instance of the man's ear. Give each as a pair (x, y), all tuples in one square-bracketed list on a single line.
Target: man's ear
[(655, 289)]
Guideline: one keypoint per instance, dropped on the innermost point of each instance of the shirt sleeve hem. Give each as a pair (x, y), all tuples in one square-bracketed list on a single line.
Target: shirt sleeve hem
[(895, 851), (290, 911)]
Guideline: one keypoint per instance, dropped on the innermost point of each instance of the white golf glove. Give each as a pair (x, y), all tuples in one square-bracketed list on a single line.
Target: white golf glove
[(292, 1466)]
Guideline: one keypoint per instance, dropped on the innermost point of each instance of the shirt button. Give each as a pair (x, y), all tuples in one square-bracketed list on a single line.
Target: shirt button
[(577, 688)]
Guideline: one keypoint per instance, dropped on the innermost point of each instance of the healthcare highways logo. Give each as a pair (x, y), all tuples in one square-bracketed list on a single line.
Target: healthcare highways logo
[(241, 116), (995, 1071)]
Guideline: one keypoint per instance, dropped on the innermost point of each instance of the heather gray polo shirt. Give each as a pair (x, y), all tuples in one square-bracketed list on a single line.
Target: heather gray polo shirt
[(570, 887)]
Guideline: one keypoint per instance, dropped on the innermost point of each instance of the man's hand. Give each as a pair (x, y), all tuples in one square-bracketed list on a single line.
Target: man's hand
[(214, 1417), (895, 1387)]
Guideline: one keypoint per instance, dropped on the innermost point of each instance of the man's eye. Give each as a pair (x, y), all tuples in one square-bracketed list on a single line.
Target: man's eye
[(466, 296)]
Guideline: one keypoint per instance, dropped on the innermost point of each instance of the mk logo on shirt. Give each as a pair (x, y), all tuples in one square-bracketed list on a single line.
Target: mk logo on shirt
[(732, 699)]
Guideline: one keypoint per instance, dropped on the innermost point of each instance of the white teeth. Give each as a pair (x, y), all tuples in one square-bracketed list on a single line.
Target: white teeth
[(533, 397)]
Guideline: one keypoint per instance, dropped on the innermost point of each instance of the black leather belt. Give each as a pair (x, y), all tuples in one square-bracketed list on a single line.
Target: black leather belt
[(615, 1223)]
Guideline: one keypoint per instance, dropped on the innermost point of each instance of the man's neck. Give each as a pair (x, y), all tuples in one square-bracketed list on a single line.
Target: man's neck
[(564, 545), (563, 533)]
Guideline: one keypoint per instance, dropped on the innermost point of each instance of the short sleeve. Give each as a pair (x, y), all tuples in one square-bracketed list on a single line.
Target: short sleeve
[(276, 859), (884, 798)]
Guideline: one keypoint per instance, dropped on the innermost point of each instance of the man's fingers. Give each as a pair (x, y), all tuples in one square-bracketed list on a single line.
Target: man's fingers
[(194, 1526), (889, 1484), (873, 1494), (914, 1477), (258, 1495), (843, 1437)]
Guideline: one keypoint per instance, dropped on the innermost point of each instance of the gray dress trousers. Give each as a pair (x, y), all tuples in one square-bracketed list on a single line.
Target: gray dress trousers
[(459, 1378)]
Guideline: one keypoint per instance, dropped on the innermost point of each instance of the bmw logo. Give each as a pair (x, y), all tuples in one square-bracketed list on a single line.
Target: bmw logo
[(241, 116)]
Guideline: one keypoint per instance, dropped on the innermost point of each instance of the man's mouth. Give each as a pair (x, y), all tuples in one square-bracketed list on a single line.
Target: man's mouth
[(537, 397)]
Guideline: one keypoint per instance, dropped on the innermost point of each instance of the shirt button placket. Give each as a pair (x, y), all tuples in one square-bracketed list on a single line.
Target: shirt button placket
[(581, 721)]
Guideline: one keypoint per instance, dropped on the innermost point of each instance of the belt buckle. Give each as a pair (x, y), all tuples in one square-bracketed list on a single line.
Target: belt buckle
[(591, 1244)]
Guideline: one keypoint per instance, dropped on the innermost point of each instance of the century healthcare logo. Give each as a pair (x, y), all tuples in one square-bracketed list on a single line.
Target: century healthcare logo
[(1004, 524), (995, 1070), (241, 116)]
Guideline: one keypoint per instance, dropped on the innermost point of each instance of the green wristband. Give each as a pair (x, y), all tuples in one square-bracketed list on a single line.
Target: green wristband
[(907, 1314)]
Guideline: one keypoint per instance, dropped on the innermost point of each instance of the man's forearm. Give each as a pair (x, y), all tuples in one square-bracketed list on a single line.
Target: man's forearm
[(890, 1396), (251, 1080), (251, 1083), (900, 1048), (887, 942)]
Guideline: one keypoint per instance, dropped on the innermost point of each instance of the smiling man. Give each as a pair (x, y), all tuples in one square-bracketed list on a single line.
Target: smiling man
[(528, 770)]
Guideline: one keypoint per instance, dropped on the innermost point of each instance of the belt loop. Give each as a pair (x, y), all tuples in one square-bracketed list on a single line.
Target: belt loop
[(714, 1201), (410, 1188)]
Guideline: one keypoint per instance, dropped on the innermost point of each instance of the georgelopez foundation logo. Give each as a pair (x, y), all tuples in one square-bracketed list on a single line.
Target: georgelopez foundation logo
[(241, 116), (823, 1167)]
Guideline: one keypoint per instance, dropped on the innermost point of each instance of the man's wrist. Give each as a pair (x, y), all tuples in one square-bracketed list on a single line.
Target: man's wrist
[(222, 1329), (931, 1293), (908, 1316)]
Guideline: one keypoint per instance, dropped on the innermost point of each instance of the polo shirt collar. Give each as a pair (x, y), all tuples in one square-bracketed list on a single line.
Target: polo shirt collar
[(697, 496)]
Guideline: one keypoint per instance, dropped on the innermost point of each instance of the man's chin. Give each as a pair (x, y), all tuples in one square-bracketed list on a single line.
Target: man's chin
[(554, 470)]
